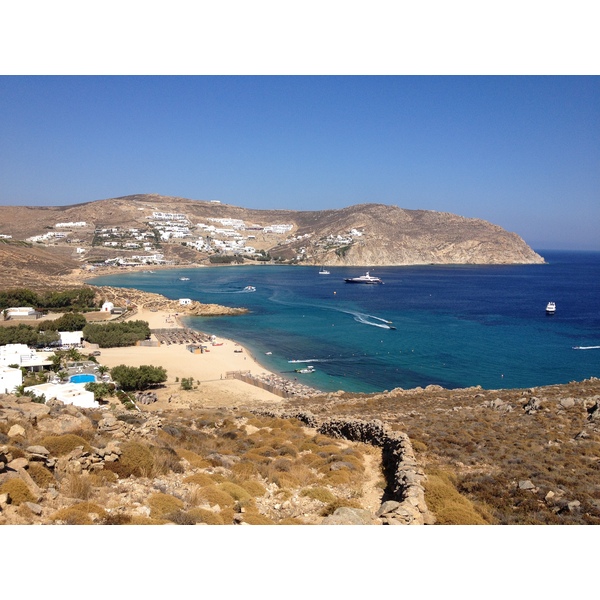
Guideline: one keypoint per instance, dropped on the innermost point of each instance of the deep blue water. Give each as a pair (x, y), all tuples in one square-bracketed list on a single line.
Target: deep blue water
[(456, 326)]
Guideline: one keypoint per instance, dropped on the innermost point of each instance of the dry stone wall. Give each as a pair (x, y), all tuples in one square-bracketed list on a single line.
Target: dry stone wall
[(405, 495)]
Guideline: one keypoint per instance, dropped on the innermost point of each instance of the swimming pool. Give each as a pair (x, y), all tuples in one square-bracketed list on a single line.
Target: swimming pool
[(82, 378)]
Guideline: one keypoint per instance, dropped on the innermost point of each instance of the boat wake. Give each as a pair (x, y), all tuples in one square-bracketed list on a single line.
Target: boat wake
[(585, 347), (368, 320)]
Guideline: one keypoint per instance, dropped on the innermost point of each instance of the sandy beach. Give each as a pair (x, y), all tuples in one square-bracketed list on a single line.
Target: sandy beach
[(209, 369)]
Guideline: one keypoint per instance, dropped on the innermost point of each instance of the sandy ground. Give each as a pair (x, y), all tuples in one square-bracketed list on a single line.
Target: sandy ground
[(209, 369)]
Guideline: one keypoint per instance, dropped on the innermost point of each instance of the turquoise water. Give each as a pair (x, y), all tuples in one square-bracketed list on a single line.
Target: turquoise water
[(455, 326), (82, 378)]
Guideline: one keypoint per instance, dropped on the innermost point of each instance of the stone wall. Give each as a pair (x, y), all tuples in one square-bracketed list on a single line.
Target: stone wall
[(404, 499)]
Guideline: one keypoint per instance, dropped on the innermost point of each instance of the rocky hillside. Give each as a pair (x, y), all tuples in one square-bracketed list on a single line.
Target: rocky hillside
[(360, 235)]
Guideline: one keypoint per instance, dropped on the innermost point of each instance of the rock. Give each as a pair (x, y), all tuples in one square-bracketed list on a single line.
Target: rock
[(36, 509), (567, 402), (525, 484), (387, 507), (349, 516), (532, 405), (15, 431), (64, 423), (18, 463)]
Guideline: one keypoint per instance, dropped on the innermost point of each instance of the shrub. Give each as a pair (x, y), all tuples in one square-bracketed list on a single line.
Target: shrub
[(244, 469), (254, 488), (77, 486), (339, 503), (206, 516), (162, 504), (165, 461), (79, 514), (181, 517), (448, 505), (194, 459), (59, 445), (235, 491), (257, 519), (17, 491), (136, 459), (213, 495), (319, 493), (201, 479), (42, 476)]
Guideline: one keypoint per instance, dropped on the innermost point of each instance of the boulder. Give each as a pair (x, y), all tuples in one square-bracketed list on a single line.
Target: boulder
[(349, 516), (16, 430)]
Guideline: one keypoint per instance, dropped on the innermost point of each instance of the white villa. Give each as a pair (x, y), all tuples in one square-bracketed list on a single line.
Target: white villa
[(10, 379), (23, 356), (69, 393)]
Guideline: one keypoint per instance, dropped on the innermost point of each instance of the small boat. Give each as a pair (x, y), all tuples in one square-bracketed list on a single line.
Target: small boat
[(363, 279), (184, 279), (324, 271), (249, 288), (309, 369), (268, 353), (550, 308)]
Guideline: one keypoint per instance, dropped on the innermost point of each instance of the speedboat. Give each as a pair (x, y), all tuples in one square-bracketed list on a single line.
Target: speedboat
[(363, 279), (309, 369), (184, 279), (550, 308), (324, 271), (249, 288)]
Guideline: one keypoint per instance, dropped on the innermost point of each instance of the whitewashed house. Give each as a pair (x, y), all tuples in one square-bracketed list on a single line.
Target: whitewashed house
[(107, 307), (184, 301), (69, 393), (10, 379)]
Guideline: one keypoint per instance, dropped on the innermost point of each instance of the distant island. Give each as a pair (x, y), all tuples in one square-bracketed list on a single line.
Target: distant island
[(149, 229)]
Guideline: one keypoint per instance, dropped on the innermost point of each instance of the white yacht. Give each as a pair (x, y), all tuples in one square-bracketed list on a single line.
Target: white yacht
[(324, 271), (363, 279), (550, 308)]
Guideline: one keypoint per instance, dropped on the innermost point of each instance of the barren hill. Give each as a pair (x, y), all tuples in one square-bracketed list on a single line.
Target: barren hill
[(360, 235)]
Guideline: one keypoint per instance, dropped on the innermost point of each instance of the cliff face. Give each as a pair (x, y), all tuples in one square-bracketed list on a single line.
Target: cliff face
[(394, 236)]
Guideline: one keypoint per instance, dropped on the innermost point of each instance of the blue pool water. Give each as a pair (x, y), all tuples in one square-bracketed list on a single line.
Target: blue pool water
[(82, 378), (455, 326)]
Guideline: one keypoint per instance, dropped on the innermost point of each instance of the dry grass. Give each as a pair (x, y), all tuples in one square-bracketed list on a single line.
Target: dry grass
[(17, 491), (59, 445)]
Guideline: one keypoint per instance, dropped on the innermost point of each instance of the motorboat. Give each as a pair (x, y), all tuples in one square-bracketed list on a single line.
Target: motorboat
[(367, 278), (184, 279), (309, 369), (249, 288), (324, 271), (550, 308)]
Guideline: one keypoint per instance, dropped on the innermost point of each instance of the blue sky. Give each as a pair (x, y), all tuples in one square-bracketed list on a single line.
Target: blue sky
[(520, 151)]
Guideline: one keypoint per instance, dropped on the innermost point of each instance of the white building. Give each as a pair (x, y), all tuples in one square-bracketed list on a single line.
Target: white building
[(72, 224), (23, 356), (184, 301), (10, 379), (69, 393), (19, 312), (71, 338), (107, 306)]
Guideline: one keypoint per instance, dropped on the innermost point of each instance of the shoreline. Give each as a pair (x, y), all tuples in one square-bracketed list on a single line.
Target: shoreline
[(210, 370)]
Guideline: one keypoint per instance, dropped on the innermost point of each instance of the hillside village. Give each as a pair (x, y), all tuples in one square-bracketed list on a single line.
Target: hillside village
[(160, 231)]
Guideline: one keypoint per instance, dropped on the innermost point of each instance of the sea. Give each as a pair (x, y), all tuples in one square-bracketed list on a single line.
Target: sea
[(453, 326)]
